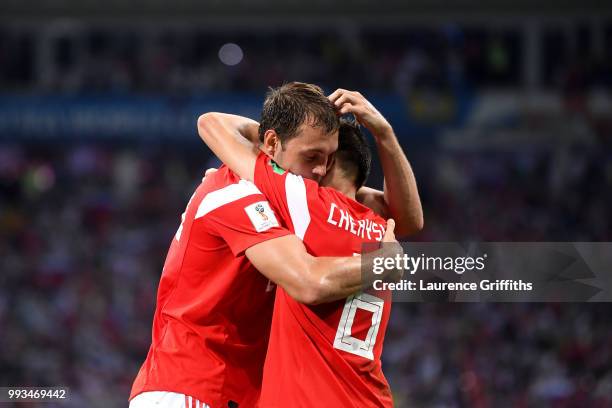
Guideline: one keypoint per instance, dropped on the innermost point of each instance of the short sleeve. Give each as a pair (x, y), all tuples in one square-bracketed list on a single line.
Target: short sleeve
[(241, 216), (287, 193)]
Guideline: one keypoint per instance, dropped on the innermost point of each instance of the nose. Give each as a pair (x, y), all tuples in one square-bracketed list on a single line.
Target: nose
[(320, 170)]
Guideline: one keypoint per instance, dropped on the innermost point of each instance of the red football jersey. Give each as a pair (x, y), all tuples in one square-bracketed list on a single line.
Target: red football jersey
[(214, 309), (329, 354)]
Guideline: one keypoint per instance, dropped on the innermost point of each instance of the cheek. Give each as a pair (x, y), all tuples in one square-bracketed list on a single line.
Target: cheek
[(287, 160), (302, 169), (299, 168)]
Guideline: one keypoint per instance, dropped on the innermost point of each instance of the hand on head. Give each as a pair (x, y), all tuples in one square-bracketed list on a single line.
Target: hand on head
[(366, 114)]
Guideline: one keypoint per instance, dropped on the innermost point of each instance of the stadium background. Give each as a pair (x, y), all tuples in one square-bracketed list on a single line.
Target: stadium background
[(504, 110)]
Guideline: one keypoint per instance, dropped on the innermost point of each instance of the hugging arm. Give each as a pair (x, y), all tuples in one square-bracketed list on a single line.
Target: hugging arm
[(314, 280), (233, 139)]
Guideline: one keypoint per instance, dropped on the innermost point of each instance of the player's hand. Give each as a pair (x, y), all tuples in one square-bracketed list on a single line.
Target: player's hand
[(390, 232), (389, 243), (391, 249), (365, 113)]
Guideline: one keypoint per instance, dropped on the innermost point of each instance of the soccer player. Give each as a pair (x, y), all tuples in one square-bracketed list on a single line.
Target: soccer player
[(326, 354), (213, 312)]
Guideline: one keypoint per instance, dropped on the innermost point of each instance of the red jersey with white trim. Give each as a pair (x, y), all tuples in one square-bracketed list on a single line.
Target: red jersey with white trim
[(329, 354), (214, 309)]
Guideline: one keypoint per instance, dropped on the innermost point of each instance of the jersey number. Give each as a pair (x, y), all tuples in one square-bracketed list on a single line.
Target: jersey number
[(344, 340)]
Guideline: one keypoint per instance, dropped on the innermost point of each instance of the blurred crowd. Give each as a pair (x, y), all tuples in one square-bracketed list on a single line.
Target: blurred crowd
[(521, 196), (84, 230), (500, 355), (186, 59)]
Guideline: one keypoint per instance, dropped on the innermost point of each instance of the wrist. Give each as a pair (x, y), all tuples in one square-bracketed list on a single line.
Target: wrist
[(384, 133)]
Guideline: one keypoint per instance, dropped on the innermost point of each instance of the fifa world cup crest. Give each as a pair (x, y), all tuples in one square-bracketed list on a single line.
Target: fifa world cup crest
[(260, 210)]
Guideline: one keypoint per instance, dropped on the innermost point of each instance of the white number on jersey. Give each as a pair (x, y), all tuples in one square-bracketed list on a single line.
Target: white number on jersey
[(344, 340)]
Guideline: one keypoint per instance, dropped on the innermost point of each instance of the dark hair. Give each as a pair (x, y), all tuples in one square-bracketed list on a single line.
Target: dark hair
[(353, 156), (289, 105)]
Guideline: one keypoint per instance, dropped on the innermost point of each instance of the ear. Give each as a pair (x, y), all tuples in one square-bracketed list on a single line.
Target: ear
[(271, 142)]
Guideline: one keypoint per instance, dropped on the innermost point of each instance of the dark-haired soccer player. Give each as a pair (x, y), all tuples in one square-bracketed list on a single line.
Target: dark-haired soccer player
[(325, 354)]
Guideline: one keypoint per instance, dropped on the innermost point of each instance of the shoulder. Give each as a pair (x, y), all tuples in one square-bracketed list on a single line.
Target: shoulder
[(223, 188)]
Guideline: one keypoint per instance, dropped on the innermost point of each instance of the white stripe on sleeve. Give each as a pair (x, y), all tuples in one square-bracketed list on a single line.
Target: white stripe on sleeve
[(226, 195), (298, 204)]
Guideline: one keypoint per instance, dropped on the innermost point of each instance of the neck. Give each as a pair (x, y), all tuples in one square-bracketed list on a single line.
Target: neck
[(347, 188)]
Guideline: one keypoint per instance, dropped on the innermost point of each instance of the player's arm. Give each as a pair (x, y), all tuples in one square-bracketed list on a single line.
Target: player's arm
[(233, 139), (400, 198), (314, 280)]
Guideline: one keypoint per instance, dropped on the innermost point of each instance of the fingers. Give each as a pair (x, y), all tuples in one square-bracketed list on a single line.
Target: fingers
[(352, 96), (336, 94), (341, 100), (392, 248), (391, 225), (342, 96), (347, 108), (390, 232), (209, 171), (349, 102)]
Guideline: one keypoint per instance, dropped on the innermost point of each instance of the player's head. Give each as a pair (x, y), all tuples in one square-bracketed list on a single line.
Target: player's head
[(299, 129), (353, 159)]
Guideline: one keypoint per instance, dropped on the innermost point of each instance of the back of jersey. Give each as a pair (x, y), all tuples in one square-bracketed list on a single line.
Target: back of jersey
[(326, 354)]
